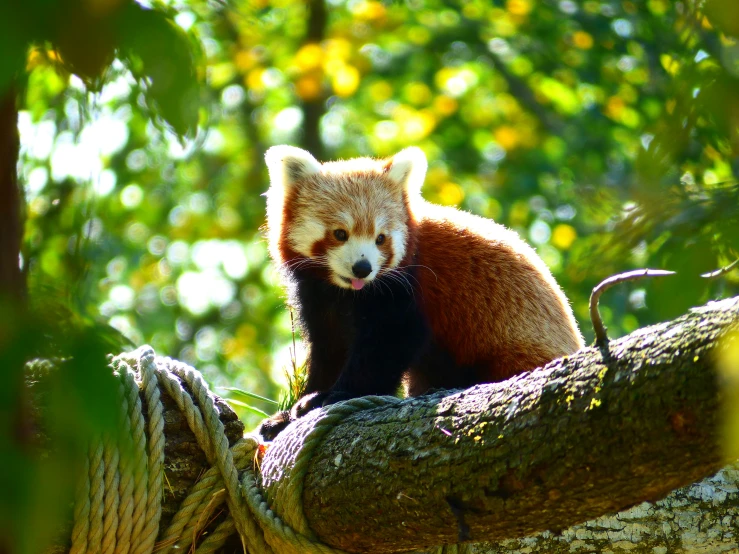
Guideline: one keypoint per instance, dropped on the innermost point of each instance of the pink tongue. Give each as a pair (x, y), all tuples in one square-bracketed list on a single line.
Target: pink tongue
[(357, 284)]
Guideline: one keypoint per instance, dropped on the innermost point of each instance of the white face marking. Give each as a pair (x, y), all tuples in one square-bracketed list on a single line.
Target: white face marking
[(323, 196), (342, 258), (305, 234), (398, 237), (323, 205)]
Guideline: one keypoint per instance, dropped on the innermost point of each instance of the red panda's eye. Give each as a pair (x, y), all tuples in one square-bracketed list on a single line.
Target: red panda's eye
[(341, 235), (380, 239)]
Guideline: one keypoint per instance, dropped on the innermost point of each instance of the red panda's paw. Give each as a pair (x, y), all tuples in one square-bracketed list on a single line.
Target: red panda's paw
[(273, 425), (317, 400), (307, 403)]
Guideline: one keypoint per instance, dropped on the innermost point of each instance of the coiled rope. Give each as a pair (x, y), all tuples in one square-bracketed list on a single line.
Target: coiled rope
[(118, 503)]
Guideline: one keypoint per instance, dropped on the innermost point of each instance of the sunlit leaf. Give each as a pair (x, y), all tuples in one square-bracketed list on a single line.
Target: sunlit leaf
[(248, 394), (247, 407)]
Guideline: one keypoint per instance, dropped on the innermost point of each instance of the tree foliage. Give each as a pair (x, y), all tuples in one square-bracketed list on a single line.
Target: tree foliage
[(606, 132)]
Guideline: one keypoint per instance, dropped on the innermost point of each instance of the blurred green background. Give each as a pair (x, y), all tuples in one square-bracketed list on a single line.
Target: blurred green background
[(605, 132)]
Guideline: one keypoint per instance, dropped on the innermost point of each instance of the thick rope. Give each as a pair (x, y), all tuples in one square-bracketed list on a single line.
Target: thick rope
[(119, 497), (82, 512), (112, 484), (153, 514), (125, 469)]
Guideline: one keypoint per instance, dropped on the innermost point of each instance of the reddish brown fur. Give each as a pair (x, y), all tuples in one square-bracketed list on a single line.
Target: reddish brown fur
[(489, 298)]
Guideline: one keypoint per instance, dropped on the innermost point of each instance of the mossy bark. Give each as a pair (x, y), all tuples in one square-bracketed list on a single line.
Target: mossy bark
[(590, 434), (700, 518)]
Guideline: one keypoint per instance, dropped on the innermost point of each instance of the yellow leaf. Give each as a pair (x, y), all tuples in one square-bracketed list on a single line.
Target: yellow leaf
[(370, 11), (614, 106), (54, 56), (414, 125), (451, 194), (671, 65), (445, 105), (35, 58), (345, 80), (253, 79), (309, 57), (519, 7), (507, 137), (582, 40), (309, 87), (563, 236), (338, 49), (245, 60)]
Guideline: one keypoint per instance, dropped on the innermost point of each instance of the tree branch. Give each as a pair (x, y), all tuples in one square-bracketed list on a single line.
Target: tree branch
[(589, 434), (12, 281), (314, 109), (601, 336)]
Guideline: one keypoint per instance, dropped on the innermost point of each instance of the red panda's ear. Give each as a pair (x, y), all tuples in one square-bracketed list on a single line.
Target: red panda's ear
[(408, 169), (288, 164)]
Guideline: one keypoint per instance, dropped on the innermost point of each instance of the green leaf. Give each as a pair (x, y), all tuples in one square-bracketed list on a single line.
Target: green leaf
[(723, 15), (247, 407), (14, 43), (249, 394), (84, 35), (161, 55)]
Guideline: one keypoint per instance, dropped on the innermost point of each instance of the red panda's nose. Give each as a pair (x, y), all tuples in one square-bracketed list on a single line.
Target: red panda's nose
[(361, 269)]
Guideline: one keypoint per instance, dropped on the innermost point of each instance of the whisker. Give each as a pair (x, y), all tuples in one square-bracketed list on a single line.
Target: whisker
[(390, 290), (300, 258), (399, 277), (425, 267), (408, 276), (318, 261)]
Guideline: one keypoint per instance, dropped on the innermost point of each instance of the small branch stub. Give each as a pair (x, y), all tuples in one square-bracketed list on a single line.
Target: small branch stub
[(721, 271), (601, 336)]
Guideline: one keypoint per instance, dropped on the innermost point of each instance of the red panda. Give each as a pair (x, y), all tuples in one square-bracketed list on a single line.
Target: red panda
[(390, 288)]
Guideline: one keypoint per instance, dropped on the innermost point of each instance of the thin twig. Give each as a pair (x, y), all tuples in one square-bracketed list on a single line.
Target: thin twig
[(721, 271), (601, 337)]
